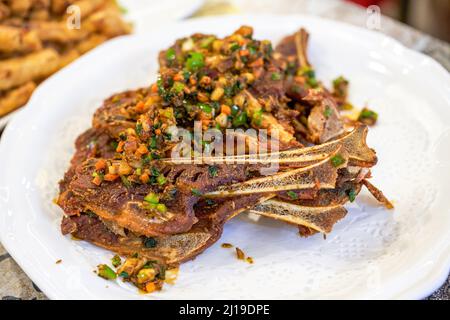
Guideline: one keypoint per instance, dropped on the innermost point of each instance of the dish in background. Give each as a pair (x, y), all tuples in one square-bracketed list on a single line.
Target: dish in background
[(141, 14)]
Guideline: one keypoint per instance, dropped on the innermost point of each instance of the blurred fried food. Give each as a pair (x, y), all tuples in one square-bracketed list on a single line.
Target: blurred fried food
[(35, 66), (39, 37), (16, 98), (14, 39)]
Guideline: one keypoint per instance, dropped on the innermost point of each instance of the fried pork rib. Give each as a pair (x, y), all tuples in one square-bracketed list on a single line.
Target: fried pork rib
[(124, 192)]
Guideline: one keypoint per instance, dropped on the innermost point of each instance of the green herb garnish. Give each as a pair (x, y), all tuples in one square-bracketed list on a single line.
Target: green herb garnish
[(161, 180), (195, 61), (177, 87), (206, 108), (337, 160), (170, 54), (125, 181), (368, 116), (257, 117), (328, 112), (292, 195), (152, 198), (150, 242), (153, 143), (351, 195), (234, 47), (212, 171), (139, 128), (240, 119), (207, 42), (106, 272), (196, 192), (275, 76), (161, 207), (116, 261), (234, 110), (114, 145)]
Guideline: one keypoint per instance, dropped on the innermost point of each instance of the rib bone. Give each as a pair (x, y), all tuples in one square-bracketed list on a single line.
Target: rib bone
[(322, 175), (353, 143), (321, 219)]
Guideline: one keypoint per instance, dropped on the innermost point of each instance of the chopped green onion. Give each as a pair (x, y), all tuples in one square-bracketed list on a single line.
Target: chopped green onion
[(195, 61), (116, 261), (240, 119), (153, 144), (125, 181), (252, 50), (186, 75), (170, 54), (207, 42), (338, 81), (114, 145), (368, 116), (161, 207), (257, 117), (212, 171), (328, 112), (205, 107), (234, 110), (292, 195), (275, 76), (106, 272), (146, 160), (337, 160), (150, 242), (178, 87), (234, 47), (351, 195), (124, 274), (196, 192), (308, 72), (139, 128), (161, 180), (123, 136), (152, 198), (155, 156), (149, 206), (312, 82)]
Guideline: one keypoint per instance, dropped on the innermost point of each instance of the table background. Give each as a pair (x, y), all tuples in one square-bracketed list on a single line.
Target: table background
[(14, 284)]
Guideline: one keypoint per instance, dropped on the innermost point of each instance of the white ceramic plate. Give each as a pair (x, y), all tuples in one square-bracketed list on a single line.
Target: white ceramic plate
[(5, 119), (146, 15), (372, 253)]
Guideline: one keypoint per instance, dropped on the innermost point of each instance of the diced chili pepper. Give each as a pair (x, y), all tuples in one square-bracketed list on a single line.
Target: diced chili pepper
[(178, 77), (111, 177), (142, 149), (100, 164), (120, 146), (244, 53), (145, 178), (140, 107), (225, 109)]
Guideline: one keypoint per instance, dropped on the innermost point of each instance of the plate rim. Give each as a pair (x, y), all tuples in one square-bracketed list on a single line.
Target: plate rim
[(421, 287)]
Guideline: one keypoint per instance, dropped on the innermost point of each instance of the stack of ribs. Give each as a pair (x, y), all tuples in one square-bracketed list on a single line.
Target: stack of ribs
[(323, 163)]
